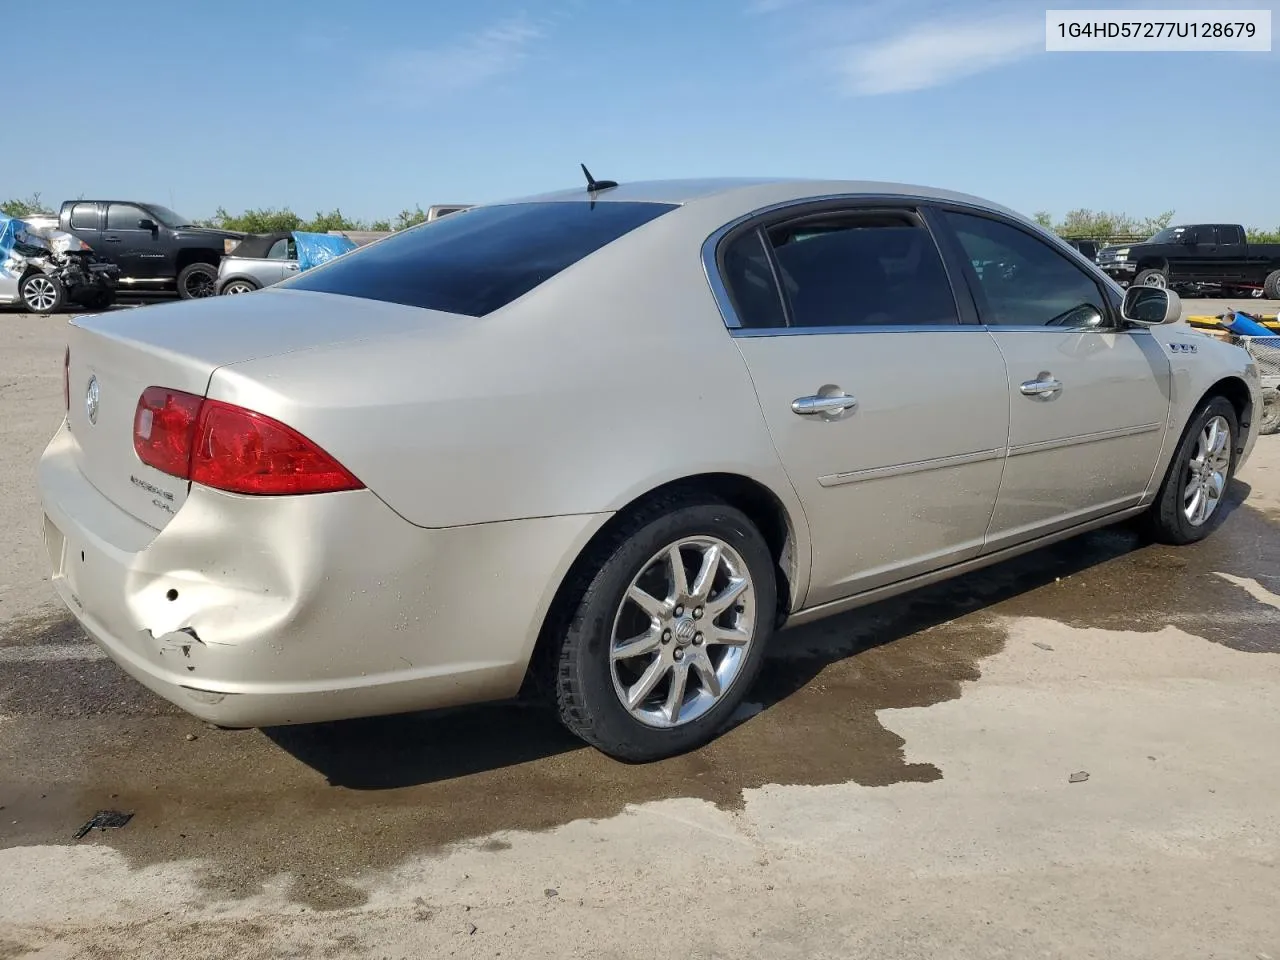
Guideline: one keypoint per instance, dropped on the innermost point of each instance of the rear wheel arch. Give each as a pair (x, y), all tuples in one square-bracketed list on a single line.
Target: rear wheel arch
[(762, 506), (191, 255)]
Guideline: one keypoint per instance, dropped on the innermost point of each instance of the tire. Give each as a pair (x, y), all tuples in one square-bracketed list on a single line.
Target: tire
[(42, 293), (235, 287), (590, 682), (1168, 520), (1271, 285), (1269, 419), (197, 281), (99, 300), (1151, 278)]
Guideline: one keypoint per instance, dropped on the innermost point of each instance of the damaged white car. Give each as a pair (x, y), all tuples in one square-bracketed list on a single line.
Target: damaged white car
[(45, 269)]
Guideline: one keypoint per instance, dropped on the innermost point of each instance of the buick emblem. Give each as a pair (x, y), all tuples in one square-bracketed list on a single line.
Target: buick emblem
[(91, 400)]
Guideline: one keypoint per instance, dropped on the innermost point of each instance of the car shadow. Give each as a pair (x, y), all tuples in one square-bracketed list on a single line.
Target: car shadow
[(391, 752)]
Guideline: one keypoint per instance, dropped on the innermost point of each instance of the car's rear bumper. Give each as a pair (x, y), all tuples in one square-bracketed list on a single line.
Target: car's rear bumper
[(258, 611)]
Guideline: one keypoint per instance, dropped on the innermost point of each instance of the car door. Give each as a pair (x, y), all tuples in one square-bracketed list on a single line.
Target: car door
[(1232, 252), (1088, 398), (284, 255), (889, 413), (141, 253)]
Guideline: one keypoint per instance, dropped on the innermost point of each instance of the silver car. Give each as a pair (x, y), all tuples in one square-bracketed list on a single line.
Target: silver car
[(258, 261), (603, 443)]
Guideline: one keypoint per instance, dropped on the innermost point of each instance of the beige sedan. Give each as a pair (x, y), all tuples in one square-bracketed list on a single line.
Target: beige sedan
[(603, 443)]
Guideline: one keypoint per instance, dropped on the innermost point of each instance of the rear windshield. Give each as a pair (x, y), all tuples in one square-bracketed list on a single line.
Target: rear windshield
[(475, 261)]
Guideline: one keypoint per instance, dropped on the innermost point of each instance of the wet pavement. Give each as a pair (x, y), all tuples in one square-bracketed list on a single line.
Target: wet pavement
[(329, 801)]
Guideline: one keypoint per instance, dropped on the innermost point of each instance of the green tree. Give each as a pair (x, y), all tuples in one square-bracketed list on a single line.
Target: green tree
[(1256, 235), (409, 218), (267, 220), (24, 206), (1044, 218), (333, 220)]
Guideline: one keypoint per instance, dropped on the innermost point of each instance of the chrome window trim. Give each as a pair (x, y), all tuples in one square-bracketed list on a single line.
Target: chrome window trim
[(720, 292), (746, 332)]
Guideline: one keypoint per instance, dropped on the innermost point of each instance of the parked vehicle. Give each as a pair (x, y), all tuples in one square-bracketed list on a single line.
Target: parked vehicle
[(1088, 248), (263, 259), (601, 444), (155, 248), (1197, 254), (438, 210), (44, 269)]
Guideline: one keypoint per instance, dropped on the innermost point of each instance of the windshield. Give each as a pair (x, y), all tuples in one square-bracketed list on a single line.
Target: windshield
[(1168, 235), (168, 217)]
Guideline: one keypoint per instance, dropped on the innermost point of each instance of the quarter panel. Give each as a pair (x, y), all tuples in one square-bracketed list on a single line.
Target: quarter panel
[(612, 378)]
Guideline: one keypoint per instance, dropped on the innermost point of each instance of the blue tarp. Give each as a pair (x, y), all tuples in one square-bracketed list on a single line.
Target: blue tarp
[(317, 248), (1243, 325)]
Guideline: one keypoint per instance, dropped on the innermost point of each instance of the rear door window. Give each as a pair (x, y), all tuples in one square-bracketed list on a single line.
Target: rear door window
[(475, 261)]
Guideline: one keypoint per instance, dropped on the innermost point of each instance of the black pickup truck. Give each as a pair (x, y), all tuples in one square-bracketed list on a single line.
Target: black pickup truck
[(1197, 255), (155, 248)]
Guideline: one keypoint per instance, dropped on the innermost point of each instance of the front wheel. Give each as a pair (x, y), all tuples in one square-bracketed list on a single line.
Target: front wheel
[(1189, 502), (196, 281), (42, 293), (663, 641), (1151, 278)]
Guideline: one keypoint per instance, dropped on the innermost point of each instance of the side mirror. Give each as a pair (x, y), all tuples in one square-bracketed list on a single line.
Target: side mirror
[(146, 223), (1151, 306)]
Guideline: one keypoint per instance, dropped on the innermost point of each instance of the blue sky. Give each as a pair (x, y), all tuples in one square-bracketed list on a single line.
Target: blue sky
[(379, 105)]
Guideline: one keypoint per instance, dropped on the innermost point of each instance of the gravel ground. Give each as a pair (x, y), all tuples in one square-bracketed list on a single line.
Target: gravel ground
[(900, 786)]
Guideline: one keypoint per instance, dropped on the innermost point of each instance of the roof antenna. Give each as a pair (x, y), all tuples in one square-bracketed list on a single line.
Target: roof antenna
[(594, 185)]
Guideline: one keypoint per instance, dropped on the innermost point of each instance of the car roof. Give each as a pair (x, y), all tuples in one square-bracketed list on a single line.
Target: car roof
[(755, 192)]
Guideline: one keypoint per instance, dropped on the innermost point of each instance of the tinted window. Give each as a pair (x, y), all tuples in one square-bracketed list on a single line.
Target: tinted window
[(123, 216), (868, 269), (84, 216), (749, 279), (1023, 280), (475, 261), (1230, 233)]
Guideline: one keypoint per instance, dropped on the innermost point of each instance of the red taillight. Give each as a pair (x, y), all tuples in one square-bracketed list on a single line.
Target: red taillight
[(66, 380), (230, 448), (164, 429)]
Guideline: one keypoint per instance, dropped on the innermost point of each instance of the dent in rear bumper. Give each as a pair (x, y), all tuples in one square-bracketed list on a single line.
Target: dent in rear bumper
[(255, 611)]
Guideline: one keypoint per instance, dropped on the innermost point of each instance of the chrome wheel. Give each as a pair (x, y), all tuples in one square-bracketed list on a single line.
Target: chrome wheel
[(682, 633), (40, 294), (238, 287), (1156, 280), (1207, 472)]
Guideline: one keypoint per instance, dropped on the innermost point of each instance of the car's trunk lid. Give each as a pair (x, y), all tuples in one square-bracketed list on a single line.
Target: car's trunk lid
[(116, 356)]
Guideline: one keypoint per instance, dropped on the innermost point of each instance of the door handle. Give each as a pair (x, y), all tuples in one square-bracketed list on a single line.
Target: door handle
[(112, 239), (1043, 387), (819, 404), (291, 266)]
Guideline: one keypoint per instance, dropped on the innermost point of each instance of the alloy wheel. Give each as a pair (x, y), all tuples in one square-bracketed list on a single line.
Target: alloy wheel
[(40, 293), (199, 285), (682, 632), (1207, 472)]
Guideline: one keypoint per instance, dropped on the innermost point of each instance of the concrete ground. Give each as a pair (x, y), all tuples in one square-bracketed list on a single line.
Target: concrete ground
[(899, 787)]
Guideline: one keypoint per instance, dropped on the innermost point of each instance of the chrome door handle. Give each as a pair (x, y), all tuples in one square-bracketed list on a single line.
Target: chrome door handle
[(823, 404), (1044, 387), (291, 266)]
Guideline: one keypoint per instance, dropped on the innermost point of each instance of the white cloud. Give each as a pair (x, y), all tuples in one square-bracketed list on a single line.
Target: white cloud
[(425, 74), (937, 53)]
